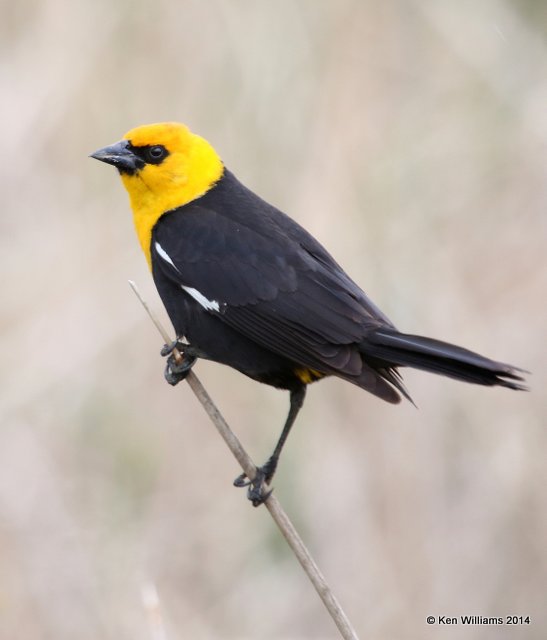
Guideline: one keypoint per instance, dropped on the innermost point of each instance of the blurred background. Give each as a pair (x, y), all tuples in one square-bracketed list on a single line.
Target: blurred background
[(410, 138)]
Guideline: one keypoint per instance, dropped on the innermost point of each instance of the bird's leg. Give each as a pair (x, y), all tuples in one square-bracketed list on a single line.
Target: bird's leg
[(177, 371), (265, 473)]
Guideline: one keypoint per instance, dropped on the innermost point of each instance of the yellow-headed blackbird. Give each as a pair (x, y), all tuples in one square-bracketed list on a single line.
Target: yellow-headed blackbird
[(248, 287)]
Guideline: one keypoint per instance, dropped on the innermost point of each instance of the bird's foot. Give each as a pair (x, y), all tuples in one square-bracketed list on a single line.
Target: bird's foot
[(168, 349), (176, 369), (256, 492)]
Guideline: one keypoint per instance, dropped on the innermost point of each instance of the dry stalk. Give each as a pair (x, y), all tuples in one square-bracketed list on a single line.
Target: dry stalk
[(272, 503)]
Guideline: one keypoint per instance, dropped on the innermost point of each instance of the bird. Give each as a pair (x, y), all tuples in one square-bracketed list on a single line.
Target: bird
[(246, 286)]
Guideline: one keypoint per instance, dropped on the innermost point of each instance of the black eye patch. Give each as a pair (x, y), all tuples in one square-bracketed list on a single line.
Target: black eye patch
[(150, 154)]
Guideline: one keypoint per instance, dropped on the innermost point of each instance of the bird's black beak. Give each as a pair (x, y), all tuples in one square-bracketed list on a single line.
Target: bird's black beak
[(121, 156)]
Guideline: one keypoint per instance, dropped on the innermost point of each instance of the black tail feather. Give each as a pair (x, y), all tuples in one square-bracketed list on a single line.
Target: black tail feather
[(389, 348)]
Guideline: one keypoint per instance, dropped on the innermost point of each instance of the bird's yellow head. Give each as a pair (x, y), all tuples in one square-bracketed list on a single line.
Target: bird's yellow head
[(162, 166)]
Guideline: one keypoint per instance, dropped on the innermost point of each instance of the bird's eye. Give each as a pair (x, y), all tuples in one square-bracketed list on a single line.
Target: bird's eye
[(156, 153)]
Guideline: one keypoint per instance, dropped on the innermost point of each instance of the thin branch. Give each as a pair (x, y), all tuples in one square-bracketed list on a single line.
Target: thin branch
[(272, 503)]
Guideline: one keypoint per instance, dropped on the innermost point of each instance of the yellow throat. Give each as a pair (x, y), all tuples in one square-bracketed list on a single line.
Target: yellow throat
[(190, 170)]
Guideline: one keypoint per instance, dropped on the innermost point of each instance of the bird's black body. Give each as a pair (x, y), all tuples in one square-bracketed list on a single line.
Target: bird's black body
[(286, 309), (268, 300), (287, 312)]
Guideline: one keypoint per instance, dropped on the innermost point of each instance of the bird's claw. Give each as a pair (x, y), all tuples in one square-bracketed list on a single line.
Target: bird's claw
[(168, 349), (255, 491), (175, 371), (176, 368)]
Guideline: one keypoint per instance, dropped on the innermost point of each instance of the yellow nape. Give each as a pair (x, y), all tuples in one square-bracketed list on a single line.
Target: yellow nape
[(190, 170)]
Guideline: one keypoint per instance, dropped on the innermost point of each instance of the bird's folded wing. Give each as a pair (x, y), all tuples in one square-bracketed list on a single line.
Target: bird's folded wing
[(287, 297)]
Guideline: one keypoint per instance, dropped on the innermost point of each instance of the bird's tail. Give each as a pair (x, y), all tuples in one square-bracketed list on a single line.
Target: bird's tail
[(386, 349)]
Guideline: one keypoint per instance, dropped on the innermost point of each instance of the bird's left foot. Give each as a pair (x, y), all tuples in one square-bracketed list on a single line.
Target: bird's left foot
[(176, 369), (256, 491)]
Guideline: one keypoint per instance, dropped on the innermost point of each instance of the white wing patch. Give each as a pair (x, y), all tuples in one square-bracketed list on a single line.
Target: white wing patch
[(209, 305), (163, 254)]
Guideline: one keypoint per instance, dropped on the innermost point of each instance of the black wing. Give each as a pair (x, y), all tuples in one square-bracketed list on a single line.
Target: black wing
[(269, 278)]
